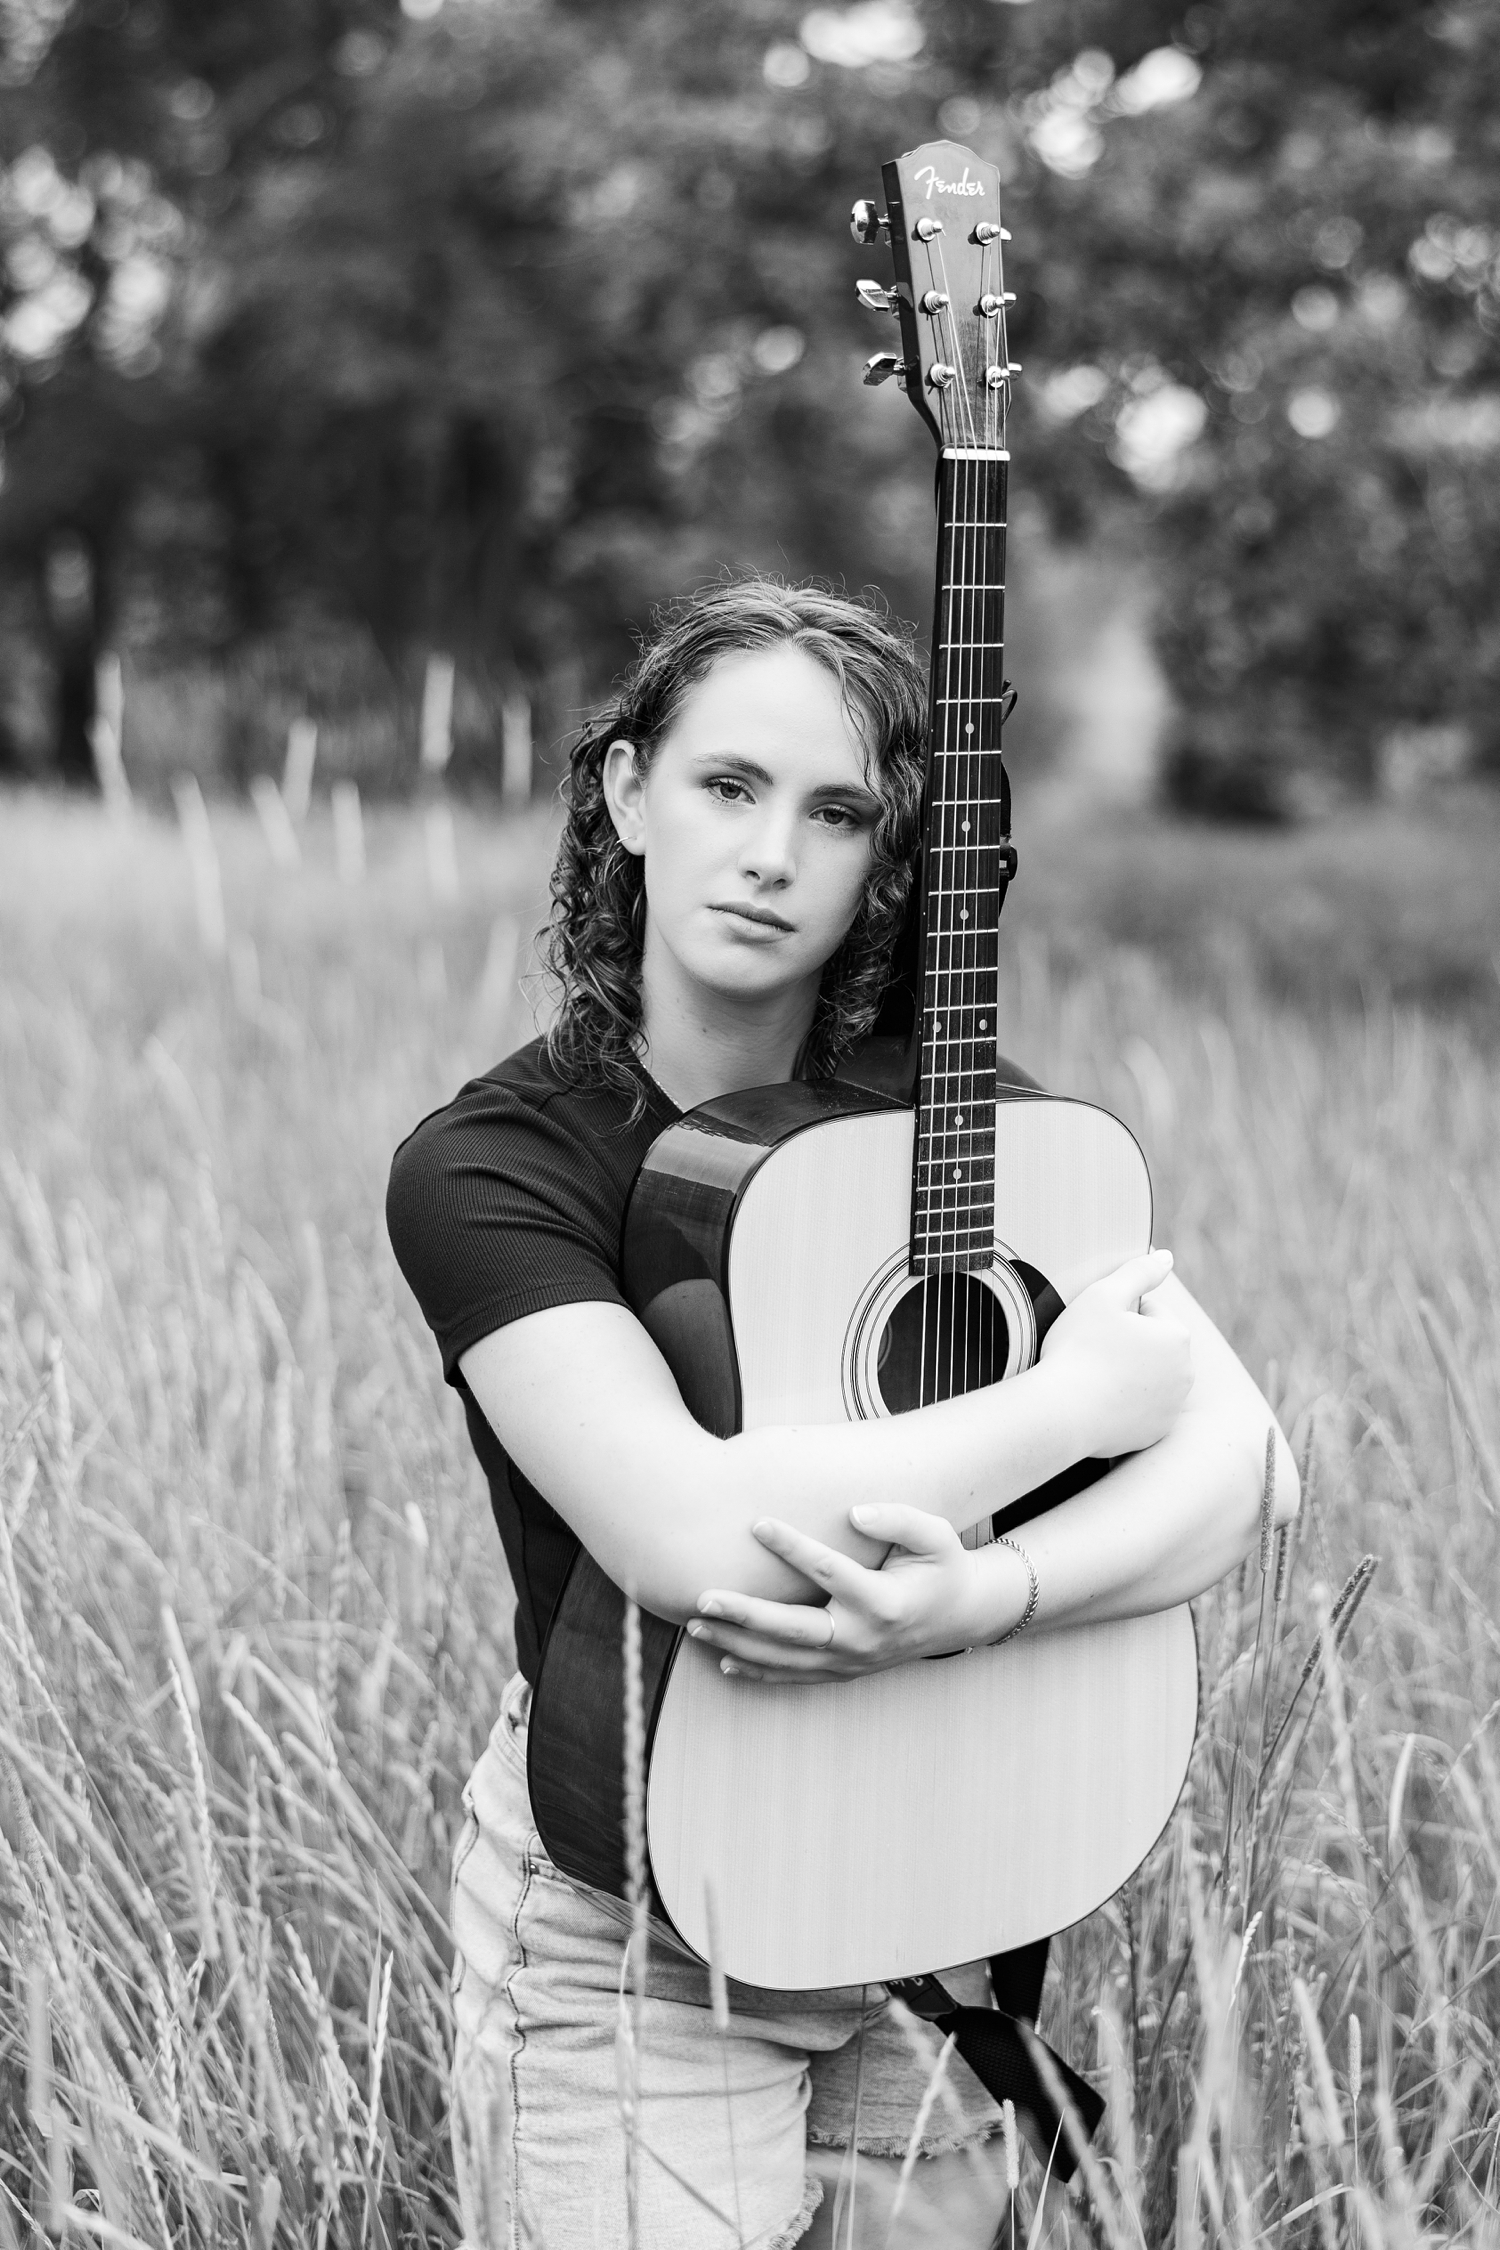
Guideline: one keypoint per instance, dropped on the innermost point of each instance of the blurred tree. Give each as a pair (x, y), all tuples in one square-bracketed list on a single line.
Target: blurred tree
[(130, 130), (487, 326), (1281, 323), (569, 324)]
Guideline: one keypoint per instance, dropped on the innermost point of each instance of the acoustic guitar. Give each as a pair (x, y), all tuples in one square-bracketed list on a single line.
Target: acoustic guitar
[(858, 1248)]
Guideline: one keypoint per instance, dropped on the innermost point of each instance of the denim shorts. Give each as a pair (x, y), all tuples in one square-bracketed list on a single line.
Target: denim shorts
[(725, 2117)]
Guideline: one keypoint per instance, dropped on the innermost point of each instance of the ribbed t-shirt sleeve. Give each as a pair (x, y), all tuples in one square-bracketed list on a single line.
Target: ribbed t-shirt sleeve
[(492, 1215)]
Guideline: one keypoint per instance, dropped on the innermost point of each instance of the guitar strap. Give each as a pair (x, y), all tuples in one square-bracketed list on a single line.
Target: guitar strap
[(991, 2043)]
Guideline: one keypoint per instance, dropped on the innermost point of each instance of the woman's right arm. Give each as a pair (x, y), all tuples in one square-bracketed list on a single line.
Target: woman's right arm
[(587, 1408)]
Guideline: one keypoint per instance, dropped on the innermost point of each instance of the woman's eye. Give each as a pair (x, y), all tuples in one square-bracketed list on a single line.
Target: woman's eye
[(839, 816), (722, 781)]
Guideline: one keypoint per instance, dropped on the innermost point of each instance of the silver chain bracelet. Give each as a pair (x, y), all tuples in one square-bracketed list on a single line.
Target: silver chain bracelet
[(1032, 1598)]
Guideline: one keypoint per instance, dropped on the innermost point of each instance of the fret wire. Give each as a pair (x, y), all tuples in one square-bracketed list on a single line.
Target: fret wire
[(970, 1251), (958, 1242)]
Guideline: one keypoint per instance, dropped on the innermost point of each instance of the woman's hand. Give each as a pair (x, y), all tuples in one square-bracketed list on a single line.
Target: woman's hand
[(1128, 1367), (922, 1601)]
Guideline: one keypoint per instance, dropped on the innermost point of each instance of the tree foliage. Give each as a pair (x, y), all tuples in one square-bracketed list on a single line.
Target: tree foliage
[(487, 325)]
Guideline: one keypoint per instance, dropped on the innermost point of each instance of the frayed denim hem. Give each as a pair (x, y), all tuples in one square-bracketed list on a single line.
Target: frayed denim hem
[(812, 2197), (931, 2144)]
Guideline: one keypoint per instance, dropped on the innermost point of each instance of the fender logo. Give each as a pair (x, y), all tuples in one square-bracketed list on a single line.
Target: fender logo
[(935, 186)]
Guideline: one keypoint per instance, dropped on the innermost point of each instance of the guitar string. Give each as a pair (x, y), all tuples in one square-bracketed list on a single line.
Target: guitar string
[(972, 495), (973, 505), (949, 1286), (990, 483), (963, 494), (952, 647), (1000, 398), (967, 665), (962, 489), (951, 620), (966, 612), (956, 396), (977, 511), (937, 269), (944, 1284)]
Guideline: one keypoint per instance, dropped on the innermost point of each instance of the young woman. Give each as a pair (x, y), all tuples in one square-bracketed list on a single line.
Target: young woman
[(738, 852)]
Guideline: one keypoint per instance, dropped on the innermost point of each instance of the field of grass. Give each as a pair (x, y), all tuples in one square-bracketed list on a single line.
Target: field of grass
[(253, 1615)]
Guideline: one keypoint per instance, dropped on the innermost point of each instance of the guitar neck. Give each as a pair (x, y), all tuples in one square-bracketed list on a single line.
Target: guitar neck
[(966, 866)]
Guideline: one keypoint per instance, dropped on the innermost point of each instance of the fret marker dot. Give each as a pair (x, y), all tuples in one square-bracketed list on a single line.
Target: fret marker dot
[(984, 1023), (966, 828), (969, 729), (957, 1174), (963, 914)]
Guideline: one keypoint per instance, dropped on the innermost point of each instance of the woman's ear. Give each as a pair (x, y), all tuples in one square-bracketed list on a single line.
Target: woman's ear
[(624, 791)]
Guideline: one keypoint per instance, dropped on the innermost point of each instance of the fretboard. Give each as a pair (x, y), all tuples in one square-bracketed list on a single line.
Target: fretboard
[(965, 868)]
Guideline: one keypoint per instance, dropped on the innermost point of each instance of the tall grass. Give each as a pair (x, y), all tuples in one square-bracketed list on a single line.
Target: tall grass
[(254, 1623)]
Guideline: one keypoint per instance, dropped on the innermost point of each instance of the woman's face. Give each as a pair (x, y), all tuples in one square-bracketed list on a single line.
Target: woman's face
[(756, 824)]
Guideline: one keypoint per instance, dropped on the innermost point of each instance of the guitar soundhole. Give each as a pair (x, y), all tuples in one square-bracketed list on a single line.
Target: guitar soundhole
[(947, 1336)]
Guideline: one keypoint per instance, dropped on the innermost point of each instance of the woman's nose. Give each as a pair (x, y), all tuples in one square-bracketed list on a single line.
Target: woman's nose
[(768, 854)]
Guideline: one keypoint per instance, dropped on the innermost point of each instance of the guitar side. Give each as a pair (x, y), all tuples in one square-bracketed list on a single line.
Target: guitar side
[(675, 1257)]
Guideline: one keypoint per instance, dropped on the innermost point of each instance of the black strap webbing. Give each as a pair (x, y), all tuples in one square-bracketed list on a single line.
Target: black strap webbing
[(991, 2044)]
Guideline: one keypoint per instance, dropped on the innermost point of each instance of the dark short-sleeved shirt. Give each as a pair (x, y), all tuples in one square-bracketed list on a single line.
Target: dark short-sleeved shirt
[(508, 1201)]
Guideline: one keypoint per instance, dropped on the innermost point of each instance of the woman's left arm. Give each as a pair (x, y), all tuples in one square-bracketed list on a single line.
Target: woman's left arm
[(1168, 1523), (1161, 1527)]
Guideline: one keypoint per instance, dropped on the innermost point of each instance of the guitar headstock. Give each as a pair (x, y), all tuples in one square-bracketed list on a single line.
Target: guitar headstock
[(942, 220)]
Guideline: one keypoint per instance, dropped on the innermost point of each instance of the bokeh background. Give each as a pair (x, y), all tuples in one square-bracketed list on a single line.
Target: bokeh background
[(335, 333), (367, 375)]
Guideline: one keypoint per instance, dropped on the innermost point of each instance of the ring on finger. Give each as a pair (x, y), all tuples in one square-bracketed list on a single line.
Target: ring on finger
[(832, 1628)]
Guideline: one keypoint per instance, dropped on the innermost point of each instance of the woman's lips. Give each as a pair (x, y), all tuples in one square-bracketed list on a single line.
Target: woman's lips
[(761, 916)]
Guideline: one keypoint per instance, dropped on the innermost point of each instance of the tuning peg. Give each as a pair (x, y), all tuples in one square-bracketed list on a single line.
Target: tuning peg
[(882, 366), (989, 304), (866, 224), (935, 301), (996, 378), (925, 229), (874, 298), (988, 231)]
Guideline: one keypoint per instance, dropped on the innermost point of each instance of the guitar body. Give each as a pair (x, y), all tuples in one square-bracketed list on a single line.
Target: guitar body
[(941, 1811)]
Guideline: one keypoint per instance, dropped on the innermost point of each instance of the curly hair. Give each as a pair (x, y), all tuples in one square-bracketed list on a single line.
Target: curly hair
[(597, 928)]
